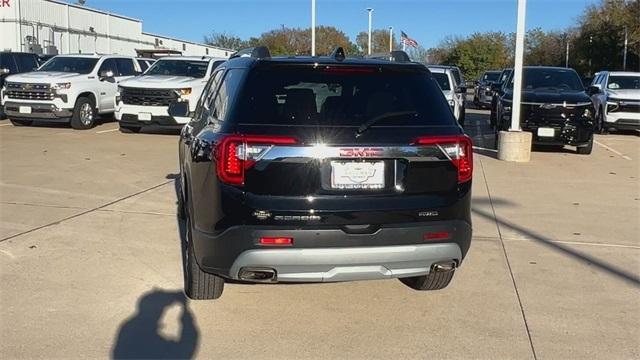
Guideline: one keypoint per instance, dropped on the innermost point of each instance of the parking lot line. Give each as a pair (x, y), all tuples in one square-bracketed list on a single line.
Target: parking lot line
[(613, 150), (6, 124), (106, 131)]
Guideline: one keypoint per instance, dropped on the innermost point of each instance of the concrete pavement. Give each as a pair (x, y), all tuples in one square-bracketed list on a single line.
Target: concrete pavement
[(90, 260)]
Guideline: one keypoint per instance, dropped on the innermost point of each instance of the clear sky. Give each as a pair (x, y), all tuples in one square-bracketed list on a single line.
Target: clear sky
[(427, 21)]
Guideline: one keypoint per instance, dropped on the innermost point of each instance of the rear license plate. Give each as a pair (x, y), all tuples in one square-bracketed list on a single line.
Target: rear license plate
[(144, 116), (546, 132), (355, 175), (25, 109)]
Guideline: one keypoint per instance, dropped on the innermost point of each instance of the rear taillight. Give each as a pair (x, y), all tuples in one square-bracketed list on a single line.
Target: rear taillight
[(236, 153), (459, 149)]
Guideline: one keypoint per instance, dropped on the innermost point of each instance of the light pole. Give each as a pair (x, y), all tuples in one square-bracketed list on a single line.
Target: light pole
[(313, 27), (517, 70), (624, 55), (370, 10), (515, 144), (390, 38)]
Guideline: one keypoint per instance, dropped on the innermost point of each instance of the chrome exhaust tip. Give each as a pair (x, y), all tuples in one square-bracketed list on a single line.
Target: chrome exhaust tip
[(444, 266), (258, 274)]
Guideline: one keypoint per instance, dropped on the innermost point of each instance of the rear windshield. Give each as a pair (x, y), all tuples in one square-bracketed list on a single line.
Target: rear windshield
[(78, 65), (491, 76), (549, 79), (349, 97), (624, 82), (195, 69), (442, 79)]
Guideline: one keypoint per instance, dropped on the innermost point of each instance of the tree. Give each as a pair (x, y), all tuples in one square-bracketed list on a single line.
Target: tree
[(476, 53), (223, 40), (600, 41), (379, 41)]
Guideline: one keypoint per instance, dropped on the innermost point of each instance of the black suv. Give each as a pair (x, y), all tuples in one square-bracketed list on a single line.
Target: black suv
[(555, 108), (15, 63), (322, 169)]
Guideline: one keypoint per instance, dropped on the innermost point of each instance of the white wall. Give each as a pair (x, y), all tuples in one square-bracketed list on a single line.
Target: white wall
[(68, 28)]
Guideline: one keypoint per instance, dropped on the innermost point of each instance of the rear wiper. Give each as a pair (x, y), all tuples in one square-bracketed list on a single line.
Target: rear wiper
[(367, 124)]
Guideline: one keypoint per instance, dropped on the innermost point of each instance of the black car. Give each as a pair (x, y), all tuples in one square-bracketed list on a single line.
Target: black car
[(322, 169), (497, 91), (483, 91), (555, 108), (15, 63)]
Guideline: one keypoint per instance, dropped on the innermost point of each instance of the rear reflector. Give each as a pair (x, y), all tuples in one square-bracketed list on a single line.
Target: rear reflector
[(458, 148), (436, 235), (276, 241)]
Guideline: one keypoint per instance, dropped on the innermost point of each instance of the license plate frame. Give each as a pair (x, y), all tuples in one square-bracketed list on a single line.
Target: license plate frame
[(25, 110), (357, 175), (144, 116), (546, 132)]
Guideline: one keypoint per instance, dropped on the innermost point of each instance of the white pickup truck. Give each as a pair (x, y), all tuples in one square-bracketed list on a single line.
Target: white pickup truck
[(67, 88), (144, 100)]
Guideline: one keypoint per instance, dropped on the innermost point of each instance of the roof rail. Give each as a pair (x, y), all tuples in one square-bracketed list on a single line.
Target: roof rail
[(258, 52), (396, 56)]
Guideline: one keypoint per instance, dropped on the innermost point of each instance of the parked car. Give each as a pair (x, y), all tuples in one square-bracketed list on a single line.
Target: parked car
[(616, 96), (555, 108), (144, 100), (68, 88), (497, 91), (483, 93), (454, 93), (323, 169), (15, 63)]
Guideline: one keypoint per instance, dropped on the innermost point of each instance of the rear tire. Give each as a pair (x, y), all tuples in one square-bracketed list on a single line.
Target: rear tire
[(432, 281), (586, 150), (130, 129), (84, 114), (198, 285), (21, 122)]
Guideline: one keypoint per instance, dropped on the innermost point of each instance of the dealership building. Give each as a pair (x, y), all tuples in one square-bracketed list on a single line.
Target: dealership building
[(57, 27)]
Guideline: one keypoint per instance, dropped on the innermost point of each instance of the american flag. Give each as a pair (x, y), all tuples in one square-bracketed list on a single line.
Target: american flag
[(407, 40)]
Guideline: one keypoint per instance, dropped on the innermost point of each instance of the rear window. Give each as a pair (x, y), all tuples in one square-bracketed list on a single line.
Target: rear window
[(443, 80), (349, 96), (491, 76)]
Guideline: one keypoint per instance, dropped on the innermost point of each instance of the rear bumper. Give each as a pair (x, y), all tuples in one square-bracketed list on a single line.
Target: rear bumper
[(347, 264), (39, 111), (323, 255)]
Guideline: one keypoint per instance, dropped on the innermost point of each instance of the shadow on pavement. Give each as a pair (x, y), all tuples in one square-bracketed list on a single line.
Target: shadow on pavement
[(550, 243), (139, 336)]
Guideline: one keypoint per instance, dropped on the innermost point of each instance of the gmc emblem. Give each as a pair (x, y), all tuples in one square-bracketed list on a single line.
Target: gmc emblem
[(361, 152)]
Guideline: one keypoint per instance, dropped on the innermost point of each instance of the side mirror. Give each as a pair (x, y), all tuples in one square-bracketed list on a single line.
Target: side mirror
[(106, 74), (179, 109), (5, 71), (461, 89), (496, 86), (593, 89)]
